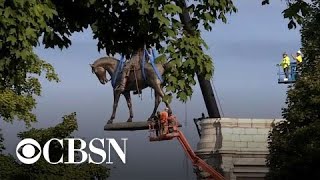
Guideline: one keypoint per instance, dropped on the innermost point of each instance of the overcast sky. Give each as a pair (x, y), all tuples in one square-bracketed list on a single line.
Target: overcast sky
[(245, 51)]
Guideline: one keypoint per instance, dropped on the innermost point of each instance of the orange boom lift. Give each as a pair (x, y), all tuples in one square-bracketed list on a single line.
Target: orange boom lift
[(174, 132)]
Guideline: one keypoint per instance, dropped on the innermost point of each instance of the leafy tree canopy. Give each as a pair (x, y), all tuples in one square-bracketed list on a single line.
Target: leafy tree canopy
[(124, 26), (22, 23), (294, 144), (296, 11), (119, 26)]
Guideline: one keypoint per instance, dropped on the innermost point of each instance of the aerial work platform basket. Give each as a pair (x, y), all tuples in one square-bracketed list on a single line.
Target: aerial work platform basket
[(292, 74)]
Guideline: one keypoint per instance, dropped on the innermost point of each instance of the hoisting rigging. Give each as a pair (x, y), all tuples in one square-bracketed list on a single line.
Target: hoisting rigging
[(173, 132)]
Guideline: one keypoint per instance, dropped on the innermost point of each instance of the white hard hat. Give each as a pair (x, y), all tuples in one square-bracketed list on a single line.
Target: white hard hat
[(299, 52)]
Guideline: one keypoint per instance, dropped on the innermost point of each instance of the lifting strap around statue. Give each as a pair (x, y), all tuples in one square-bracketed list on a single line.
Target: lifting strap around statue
[(152, 59), (118, 70), (142, 65)]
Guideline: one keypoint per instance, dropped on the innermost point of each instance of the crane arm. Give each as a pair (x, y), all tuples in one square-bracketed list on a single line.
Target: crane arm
[(195, 159)]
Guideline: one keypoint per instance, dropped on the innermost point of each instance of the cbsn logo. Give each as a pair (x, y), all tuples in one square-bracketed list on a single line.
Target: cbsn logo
[(28, 150)]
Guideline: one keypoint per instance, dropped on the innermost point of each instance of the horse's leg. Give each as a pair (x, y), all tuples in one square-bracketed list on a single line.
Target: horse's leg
[(167, 104), (157, 88), (156, 104), (159, 92), (116, 96), (129, 103)]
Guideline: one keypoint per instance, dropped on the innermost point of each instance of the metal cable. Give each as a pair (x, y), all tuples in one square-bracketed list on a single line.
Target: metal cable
[(185, 115), (217, 97)]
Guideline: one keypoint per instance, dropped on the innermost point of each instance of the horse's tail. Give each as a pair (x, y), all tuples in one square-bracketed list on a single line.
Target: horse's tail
[(166, 65)]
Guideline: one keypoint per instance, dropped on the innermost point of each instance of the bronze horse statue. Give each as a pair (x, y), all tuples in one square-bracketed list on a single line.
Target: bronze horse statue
[(135, 82)]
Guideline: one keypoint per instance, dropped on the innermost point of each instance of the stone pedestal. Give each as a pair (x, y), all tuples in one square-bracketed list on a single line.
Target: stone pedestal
[(235, 147)]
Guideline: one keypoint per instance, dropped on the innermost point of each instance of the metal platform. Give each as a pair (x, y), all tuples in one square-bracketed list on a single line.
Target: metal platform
[(289, 81), (129, 126), (292, 75)]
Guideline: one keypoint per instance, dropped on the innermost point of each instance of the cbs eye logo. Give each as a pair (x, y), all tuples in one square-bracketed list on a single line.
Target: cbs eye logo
[(28, 153)]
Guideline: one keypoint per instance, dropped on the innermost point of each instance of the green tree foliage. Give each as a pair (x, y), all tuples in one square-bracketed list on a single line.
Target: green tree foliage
[(120, 27), (123, 26), (296, 10), (22, 23), (294, 144), (10, 169)]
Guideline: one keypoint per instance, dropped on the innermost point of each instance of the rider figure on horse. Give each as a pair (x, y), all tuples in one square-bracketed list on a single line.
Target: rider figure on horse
[(133, 63)]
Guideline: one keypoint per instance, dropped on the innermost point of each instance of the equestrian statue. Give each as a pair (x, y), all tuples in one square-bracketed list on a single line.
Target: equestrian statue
[(135, 76)]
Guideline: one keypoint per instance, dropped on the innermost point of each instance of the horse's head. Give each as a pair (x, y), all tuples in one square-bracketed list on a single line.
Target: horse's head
[(100, 73), (103, 65)]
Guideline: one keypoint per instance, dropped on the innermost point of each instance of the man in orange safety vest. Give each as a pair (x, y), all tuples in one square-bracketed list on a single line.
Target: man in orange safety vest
[(164, 121)]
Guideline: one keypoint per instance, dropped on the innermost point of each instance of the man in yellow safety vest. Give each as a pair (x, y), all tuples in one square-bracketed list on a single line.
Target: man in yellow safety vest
[(285, 65), (298, 58)]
